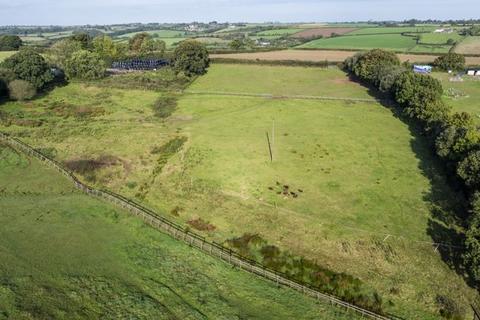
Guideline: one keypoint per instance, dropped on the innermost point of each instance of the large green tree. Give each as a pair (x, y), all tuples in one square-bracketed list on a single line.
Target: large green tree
[(29, 66), (450, 61), (135, 42), (472, 246), (61, 51), (10, 42), (106, 48), (367, 64), (85, 65), (191, 58)]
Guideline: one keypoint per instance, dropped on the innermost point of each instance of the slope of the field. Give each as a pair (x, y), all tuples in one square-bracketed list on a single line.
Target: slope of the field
[(67, 256), (470, 45), (372, 199), (285, 81), (325, 55), (397, 30), (463, 96), (363, 42), (5, 54)]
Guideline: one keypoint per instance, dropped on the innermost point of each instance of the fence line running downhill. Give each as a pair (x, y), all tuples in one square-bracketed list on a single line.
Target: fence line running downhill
[(180, 233)]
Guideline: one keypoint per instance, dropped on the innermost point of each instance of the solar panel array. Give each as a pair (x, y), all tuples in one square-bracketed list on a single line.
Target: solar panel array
[(140, 64)]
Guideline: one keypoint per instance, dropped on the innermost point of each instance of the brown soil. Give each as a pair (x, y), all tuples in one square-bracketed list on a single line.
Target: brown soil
[(325, 32), (201, 225)]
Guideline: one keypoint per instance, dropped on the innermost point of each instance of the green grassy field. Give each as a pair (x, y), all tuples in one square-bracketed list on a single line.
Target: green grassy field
[(158, 34), (363, 42), (463, 96), (67, 256), (278, 81), (5, 54), (398, 30), (371, 199), (439, 38), (470, 45), (280, 32)]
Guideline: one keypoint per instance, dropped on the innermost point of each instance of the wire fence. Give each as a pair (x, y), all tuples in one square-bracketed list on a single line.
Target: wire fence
[(194, 240)]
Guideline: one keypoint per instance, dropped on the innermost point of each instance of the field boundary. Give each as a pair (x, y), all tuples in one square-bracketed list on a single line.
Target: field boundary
[(178, 232), (272, 96)]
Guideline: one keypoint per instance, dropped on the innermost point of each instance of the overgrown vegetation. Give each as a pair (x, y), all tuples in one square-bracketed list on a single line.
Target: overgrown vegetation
[(307, 271), (165, 106)]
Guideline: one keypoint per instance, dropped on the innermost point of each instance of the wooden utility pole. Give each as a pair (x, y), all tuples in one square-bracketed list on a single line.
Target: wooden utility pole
[(269, 147)]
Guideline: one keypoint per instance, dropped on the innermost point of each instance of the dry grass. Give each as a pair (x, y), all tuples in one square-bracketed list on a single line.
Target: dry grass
[(470, 45)]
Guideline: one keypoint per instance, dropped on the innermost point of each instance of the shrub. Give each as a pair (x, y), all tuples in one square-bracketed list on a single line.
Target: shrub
[(165, 106), (61, 51), (85, 65), (449, 308), (450, 61), (29, 66), (21, 90), (10, 42), (6, 76), (191, 58)]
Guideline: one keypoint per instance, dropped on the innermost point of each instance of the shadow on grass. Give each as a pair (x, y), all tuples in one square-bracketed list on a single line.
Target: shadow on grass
[(447, 201)]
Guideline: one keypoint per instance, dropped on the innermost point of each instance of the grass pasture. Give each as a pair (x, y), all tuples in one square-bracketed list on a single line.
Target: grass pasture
[(280, 32), (392, 30), (369, 199), (463, 96), (470, 45), (5, 54), (67, 256), (364, 42)]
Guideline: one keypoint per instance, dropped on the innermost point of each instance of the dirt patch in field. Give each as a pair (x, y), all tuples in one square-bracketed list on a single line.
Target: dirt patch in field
[(324, 32), (322, 55), (201, 225), (85, 166)]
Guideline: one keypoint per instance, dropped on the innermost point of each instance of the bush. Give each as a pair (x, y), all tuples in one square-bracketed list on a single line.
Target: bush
[(191, 58), (450, 61), (10, 42), (21, 90), (165, 106), (85, 65), (449, 309), (61, 51), (6, 76), (29, 66)]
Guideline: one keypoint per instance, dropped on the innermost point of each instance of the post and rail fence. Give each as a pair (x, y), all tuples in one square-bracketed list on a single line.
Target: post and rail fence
[(192, 239)]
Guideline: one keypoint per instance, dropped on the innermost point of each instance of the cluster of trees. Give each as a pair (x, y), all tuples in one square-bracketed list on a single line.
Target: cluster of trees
[(22, 74), (10, 42), (81, 57), (456, 137), (242, 43), (452, 61)]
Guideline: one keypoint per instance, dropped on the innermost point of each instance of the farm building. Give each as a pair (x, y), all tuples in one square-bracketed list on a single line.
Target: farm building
[(422, 69)]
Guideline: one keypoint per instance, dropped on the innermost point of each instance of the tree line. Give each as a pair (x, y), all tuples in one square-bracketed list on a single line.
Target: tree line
[(85, 58), (454, 136)]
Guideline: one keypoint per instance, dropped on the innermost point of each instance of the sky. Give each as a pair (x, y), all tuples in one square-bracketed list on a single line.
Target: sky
[(79, 12)]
